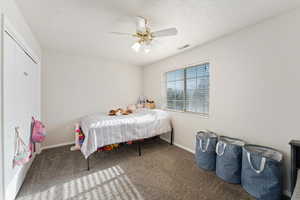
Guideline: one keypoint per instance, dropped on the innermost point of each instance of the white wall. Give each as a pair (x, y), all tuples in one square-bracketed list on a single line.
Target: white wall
[(75, 86), (11, 11), (255, 81)]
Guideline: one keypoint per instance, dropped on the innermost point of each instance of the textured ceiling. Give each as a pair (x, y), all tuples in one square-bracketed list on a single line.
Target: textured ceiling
[(81, 27)]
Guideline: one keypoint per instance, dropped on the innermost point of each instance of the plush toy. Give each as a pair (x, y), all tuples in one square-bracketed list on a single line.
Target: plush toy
[(77, 138), (112, 112), (119, 111), (131, 107), (108, 147), (115, 145), (150, 104), (127, 112)]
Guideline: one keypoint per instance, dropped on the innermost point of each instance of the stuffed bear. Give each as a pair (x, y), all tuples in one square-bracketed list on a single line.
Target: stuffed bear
[(119, 111)]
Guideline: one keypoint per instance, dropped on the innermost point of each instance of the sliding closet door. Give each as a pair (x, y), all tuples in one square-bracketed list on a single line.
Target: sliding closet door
[(21, 99)]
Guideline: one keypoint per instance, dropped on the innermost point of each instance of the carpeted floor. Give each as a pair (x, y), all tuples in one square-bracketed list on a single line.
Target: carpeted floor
[(162, 172)]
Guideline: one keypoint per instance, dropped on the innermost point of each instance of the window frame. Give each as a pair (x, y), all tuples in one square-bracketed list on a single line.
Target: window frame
[(205, 115)]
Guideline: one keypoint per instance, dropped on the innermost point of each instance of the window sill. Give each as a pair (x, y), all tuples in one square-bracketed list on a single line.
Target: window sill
[(205, 116)]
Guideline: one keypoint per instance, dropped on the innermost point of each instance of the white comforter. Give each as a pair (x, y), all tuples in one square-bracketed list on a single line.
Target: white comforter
[(101, 130)]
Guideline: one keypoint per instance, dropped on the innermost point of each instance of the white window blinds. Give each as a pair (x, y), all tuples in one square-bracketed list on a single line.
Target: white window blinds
[(188, 89)]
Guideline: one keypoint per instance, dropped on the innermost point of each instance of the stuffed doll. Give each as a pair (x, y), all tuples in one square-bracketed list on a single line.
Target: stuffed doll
[(127, 112), (131, 107), (119, 111), (150, 104)]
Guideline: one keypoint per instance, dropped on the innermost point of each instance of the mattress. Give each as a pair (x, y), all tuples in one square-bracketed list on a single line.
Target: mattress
[(101, 130)]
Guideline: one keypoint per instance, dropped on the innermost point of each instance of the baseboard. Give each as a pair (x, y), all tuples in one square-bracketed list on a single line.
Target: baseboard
[(179, 145), (57, 145)]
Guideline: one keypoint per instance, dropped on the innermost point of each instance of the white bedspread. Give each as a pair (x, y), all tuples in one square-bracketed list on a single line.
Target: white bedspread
[(101, 130)]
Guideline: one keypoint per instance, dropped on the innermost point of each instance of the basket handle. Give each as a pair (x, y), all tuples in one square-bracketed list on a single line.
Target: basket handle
[(206, 147), (17, 139), (262, 163), (20, 144), (217, 148)]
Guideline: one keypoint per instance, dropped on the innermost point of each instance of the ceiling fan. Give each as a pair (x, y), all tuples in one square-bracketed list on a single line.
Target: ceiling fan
[(145, 36)]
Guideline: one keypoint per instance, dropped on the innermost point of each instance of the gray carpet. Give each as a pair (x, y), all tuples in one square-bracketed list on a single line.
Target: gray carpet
[(162, 172)]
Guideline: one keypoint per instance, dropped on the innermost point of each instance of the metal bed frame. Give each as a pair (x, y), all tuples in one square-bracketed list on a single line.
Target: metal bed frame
[(138, 147)]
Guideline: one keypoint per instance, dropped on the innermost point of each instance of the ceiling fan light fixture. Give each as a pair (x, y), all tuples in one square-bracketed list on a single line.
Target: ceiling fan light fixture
[(143, 47), (144, 35), (136, 46), (146, 48)]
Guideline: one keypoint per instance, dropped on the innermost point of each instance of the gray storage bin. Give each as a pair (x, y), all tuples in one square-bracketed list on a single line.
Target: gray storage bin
[(205, 150), (229, 159), (261, 172)]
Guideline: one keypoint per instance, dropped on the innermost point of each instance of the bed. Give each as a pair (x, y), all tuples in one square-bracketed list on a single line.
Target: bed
[(101, 130)]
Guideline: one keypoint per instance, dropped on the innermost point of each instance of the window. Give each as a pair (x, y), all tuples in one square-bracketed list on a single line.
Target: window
[(188, 89)]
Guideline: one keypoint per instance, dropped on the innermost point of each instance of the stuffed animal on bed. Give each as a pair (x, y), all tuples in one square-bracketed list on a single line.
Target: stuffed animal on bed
[(127, 112), (119, 111), (131, 107), (112, 112), (150, 104)]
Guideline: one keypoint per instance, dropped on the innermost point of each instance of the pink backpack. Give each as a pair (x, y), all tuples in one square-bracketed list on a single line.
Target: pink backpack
[(38, 131)]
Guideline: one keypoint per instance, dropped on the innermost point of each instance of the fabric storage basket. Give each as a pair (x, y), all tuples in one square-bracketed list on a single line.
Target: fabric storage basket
[(261, 172), (205, 150), (229, 159)]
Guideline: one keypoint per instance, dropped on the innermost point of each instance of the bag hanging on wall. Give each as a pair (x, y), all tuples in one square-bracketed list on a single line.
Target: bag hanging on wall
[(38, 131), (22, 152)]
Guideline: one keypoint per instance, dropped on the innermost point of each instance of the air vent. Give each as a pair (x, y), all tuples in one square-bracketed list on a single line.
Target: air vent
[(184, 47)]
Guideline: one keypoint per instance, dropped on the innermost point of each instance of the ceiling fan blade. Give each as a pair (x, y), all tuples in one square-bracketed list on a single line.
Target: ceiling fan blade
[(120, 33), (141, 24), (165, 32)]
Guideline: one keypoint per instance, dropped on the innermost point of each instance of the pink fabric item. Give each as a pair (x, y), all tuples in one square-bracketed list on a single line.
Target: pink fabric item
[(22, 161), (22, 152), (38, 131)]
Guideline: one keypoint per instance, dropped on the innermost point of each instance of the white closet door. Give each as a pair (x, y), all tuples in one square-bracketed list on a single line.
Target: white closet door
[(20, 99), (32, 88), (9, 100)]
